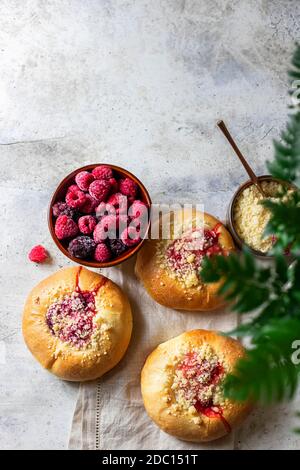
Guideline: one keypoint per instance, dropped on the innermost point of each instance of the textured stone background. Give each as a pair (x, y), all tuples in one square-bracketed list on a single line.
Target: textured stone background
[(141, 84)]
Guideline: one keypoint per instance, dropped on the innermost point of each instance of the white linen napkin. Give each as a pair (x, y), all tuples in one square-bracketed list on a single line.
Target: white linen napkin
[(109, 412)]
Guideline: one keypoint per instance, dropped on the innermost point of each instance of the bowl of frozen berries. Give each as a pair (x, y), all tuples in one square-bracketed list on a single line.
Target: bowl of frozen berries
[(99, 215)]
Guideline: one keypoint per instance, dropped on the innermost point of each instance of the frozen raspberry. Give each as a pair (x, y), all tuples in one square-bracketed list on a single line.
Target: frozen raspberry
[(99, 190), (82, 247), (104, 209), (65, 227), (130, 236), (102, 172), (73, 187), (106, 228), (84, 179), (102, 253), (128, 187), (38, 254), (86, 224), (117, 247), (62, 208), (119, 201), (75, 198), (114, 185), (138, 210), (89, 205)]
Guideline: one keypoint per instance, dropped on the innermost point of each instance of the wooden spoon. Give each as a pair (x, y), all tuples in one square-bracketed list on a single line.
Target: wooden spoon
[(252, 175)]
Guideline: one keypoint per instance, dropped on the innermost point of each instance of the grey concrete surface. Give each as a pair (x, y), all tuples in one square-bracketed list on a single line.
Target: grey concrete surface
[(139, 83)]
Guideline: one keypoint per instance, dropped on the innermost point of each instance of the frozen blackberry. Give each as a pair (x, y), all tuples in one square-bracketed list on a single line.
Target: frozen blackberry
[(117, 247), (62, 208), (82, 247)]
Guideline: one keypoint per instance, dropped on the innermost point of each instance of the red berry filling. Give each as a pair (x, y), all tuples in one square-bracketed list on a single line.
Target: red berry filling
[(184, 255), (198, 376), (197, 382), (71, 319)]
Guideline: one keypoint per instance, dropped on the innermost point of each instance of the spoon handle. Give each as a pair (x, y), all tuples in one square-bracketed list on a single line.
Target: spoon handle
[(221, 124)]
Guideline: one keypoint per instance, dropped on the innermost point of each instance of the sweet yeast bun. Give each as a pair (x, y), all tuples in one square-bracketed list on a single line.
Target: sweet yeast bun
[(170, 269), (77, 324), (181, 386)]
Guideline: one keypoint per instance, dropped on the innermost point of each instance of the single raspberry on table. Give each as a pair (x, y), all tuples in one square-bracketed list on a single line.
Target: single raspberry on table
[(65, 227), (84, 179), (89, 205), (119, 202), (128, 187), (62, 208), (130, 236), (75, 198), (82, 247), (102, 172), (117, 247), (86, 224), (38, 254), (99, 190), (102, 253)]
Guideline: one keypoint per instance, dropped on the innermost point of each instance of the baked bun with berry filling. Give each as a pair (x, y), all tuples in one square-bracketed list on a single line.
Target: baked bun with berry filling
[(170, 268), (182, 386), (77, 324)]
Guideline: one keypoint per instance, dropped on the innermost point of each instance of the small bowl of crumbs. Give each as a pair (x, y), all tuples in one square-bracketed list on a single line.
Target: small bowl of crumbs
[(247, 218)]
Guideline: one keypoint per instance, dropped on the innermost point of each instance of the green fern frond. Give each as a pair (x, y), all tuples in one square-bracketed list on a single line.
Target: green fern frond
[(294, 73), (267, 374), (285, 223), (286, 163)]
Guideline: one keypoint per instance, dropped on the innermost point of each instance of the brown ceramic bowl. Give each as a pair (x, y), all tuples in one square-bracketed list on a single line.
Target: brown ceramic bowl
[(59, 195), (230, 214)]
